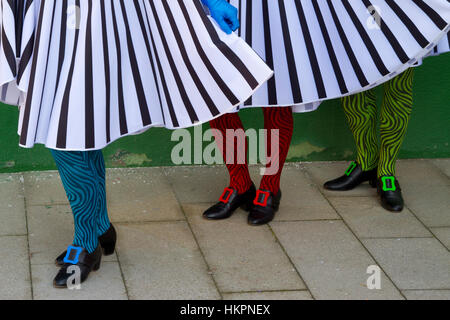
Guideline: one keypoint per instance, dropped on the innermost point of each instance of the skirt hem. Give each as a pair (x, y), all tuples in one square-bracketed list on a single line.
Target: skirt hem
[(424, 53), (146, 128)]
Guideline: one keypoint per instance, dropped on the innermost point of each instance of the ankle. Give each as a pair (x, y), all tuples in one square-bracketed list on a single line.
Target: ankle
[(272, 187), (242, 187), (103, 228), (367, 168), (90, 248), (381, 174)]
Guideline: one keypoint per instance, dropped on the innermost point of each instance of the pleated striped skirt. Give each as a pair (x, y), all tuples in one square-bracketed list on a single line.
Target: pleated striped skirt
[(9, 92), (327, 49), (95, 71), (443, 46)]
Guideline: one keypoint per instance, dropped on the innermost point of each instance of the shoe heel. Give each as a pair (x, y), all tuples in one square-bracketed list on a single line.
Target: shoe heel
[(373, 183), (97, 266), (108, 249), (108, 241)]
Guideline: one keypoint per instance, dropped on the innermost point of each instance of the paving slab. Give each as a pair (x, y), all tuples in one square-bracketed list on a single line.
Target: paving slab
[(203, 184), (44, 188), (420, 173), (302, 199), (141, 194), (368, 219), (12, 205), (332, 262), (443, 234), (429, 203), (161, 260), (163, 256), (51, 231), (275, 295), (105, 284), (241, 257), (14, 268), (321, 172), (413, 263), (443, 165), (427, 294), (197, 184)]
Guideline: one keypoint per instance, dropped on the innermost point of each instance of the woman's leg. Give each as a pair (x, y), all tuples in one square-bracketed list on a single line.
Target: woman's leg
[(98, 163), (239, 175), (82, 188), (361, 113), (395, 114), (233, 145), (279, 122)]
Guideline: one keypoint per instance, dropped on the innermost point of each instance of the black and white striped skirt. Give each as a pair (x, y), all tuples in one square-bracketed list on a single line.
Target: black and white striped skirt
[(330, 48), (101, 70), (443, 46), (9, 92)]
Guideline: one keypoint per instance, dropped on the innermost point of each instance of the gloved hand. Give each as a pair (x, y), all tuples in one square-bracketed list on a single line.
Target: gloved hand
[(224, 13)]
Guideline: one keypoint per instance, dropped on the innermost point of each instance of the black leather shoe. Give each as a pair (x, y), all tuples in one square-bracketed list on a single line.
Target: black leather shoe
[(229, 202), (107, 241), (265, 205), (77, 257), (352, 178), (390, 194)]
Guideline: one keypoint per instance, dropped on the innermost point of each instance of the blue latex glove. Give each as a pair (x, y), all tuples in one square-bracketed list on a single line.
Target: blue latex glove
[(224, 13)]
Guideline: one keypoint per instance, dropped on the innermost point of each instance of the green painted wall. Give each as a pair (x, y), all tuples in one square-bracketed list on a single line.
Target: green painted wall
[(322, 135)]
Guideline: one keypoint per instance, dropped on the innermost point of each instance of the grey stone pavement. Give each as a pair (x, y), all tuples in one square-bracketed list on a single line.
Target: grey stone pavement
[(319, 246)]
